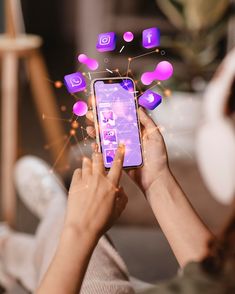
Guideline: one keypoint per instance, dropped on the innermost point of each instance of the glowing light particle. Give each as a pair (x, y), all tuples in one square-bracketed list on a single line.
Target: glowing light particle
[(80, 108), (72, 132), (63, 108), (167, 92), (75, 124), (58, 84)]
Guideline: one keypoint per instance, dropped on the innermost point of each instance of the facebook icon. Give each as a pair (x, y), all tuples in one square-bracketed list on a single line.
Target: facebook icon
[(151, 38)]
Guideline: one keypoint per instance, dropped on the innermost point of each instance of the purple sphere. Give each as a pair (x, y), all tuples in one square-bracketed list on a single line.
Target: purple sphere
[(163, 71), (128, 36), (80, 108)]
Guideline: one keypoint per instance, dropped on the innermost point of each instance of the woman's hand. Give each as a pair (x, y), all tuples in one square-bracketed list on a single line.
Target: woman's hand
[(95, 200), (94, 203), (154, 152)]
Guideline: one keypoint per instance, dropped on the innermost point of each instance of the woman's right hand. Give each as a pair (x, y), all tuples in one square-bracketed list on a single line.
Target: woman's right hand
[(154, 152), (95, 199)]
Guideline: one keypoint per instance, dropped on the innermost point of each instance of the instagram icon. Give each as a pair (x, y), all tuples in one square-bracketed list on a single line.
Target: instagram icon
[(106, 42)]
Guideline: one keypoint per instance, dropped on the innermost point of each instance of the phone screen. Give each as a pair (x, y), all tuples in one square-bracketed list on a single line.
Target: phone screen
[(116, 112)]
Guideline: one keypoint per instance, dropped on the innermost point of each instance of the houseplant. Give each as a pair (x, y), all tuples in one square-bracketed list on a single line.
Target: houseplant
[(201, 25)]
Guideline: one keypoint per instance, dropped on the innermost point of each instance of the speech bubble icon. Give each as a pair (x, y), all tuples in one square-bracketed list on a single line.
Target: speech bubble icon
[(75, 82)]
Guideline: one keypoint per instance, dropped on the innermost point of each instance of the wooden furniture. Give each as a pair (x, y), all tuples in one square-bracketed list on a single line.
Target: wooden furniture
[(16, 45)]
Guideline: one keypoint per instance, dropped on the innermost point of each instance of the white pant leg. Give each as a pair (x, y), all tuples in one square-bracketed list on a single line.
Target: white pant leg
[(26, 257), (18, 258), (48, 234)]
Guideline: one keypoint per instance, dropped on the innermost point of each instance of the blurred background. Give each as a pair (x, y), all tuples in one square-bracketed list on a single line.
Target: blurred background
[(196, 36)]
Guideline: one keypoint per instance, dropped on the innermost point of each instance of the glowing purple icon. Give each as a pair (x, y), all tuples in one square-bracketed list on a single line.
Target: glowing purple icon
[(106, 42), (75, 82), (128, 36), (80, 108), (150, 100), (92, 64), (163, 71), (151, 38)]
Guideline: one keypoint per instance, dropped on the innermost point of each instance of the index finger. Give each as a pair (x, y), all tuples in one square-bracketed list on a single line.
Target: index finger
[(116, 169)]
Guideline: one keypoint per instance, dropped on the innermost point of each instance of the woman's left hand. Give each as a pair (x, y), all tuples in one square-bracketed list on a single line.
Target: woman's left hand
[(95, 200)]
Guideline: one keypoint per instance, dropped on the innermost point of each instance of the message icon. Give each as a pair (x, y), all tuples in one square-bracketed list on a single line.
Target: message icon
[(151, 38), (150, 100), (75, 82), (106, 42)]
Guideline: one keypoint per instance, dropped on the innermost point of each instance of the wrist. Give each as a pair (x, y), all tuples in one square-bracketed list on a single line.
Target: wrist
[(76, 234), (162, 182)]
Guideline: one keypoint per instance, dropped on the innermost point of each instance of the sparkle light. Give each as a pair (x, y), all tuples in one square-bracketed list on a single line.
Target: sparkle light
[(75, 124), (72, 132), (167, 92), (63, 108), (58, 84)]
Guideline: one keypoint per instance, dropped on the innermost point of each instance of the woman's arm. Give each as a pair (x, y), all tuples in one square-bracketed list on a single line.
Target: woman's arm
[(185, 231), (187, 234), (94, 203), (67, 270)]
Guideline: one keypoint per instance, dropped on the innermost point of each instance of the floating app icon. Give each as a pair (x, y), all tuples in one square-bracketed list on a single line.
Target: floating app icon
[(75, 82), (106, 42), (80, 108), (150, 100), (151, 38)]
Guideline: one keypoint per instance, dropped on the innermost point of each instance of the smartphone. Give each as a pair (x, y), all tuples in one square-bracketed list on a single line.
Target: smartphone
[(116, 120)]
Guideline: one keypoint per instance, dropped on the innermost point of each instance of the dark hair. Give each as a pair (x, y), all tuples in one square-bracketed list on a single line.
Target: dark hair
[(230, 109)]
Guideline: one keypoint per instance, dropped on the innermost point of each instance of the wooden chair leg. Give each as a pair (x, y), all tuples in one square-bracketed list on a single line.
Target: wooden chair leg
[(46, 104), (9, 134)]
